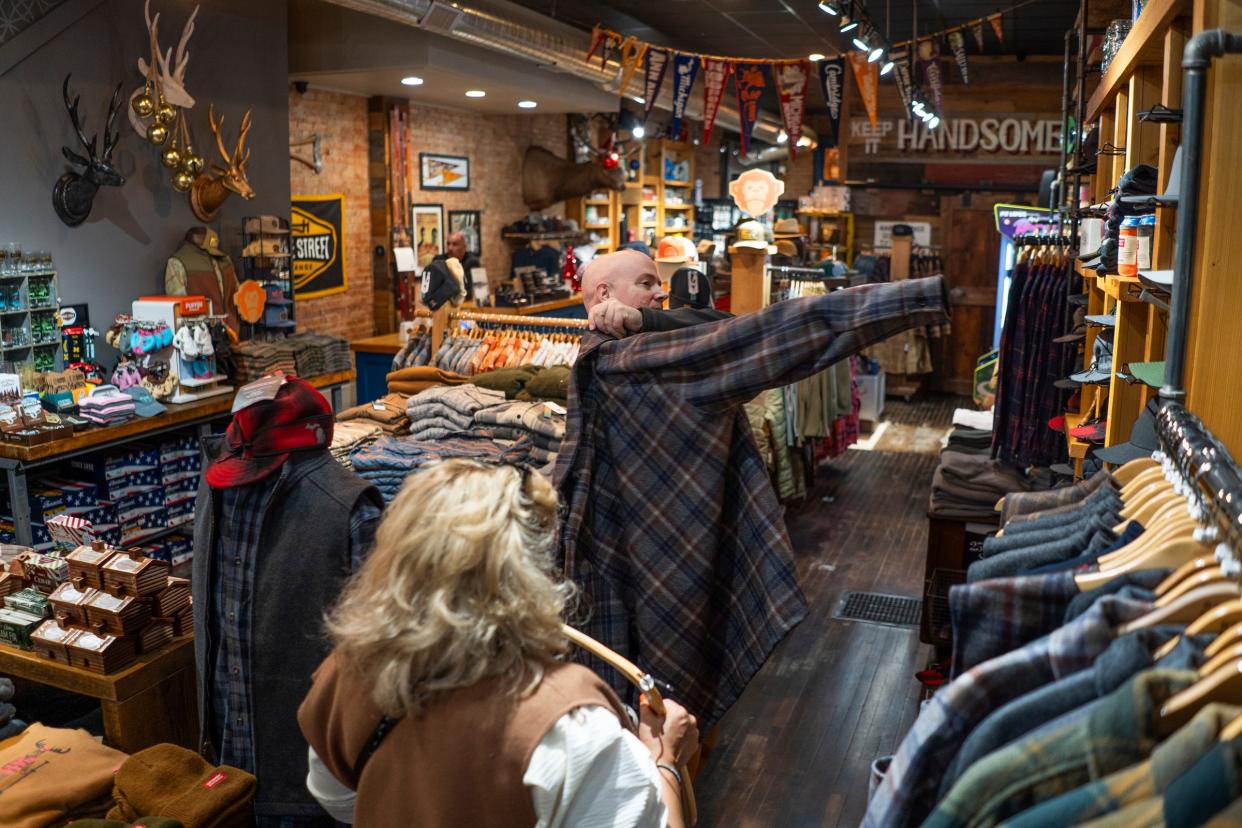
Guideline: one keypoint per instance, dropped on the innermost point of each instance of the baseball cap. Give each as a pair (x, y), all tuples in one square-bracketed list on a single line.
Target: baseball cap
[(1172, 188), (751, 235), (266, 225), (145, 405), (676, 250), (1107, 320), (689, 288), (1143, 439), (1077, 332), (1159, 279), (1148, 373), (268, 248), (261, 436), (1101, 369)]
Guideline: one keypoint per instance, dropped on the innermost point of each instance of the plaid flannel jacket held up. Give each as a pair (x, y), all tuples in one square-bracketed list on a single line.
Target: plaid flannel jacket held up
[(673, 531)]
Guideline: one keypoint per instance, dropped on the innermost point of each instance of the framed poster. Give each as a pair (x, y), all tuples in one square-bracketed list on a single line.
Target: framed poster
[(467, 222), (443, 172), (428, 224), (317, 225)]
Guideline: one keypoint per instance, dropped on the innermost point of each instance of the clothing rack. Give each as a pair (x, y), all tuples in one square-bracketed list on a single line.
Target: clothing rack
[(1205, 462), (446, 315)]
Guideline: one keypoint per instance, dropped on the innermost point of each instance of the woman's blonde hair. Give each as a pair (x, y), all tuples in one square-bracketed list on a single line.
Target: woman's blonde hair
[(459, 588)]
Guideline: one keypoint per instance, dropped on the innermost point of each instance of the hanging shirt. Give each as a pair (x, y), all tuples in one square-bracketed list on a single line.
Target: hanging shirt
[(673, 530)]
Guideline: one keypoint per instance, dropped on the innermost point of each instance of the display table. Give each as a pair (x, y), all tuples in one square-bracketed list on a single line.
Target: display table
[(150, 701), (16, 460), (570, 308)]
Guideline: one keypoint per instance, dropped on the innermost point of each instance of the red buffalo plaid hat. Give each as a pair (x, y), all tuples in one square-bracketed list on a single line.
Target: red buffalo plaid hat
[(262, 436)]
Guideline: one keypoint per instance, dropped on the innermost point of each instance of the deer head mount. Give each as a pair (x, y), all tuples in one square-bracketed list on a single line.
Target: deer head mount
[(547, 179), (210, 189), (165, 79), (74, 193)]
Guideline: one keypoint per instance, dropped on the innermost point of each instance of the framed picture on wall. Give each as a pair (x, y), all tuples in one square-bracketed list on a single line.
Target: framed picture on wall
[(428, 224), (443, 172), (467, 222)]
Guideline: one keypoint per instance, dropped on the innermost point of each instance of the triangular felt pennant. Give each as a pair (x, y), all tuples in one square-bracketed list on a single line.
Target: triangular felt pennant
[(657, 65), (930, 64), (631, 53), (597, 39), (611, 45), (791, 81), (901, 76), (998, 26), (749, 79), (867, 76), (685, 69), (958, 44), (976, 29), (715, 75), (831, 81)]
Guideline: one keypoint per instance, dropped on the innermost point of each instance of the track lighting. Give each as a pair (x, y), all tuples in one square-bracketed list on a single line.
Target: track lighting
[(875, 55), (887, 67), (848, 25), (861, 44), (828, 8), (934, 122)]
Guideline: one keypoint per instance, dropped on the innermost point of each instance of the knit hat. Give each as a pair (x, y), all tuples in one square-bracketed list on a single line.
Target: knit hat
[(174, 782), (261, 436)]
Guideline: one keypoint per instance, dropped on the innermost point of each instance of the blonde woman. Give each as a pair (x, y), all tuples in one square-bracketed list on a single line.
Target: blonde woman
[(446, 701)]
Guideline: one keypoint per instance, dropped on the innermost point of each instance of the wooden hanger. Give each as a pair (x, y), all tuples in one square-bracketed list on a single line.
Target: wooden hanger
[(1141, 481), (1229, 638), (1231, 731), (1126, 473), (1144, 511), (1201, 577), (1185, 571), (1169, 555), (1224, 685), (1159, 533), (1221, 659), (1187, 608)]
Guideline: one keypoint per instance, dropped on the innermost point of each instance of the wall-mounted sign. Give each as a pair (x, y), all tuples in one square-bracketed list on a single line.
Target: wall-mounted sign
[(318, 225), (755, 192), (900, 138), (884, 232)]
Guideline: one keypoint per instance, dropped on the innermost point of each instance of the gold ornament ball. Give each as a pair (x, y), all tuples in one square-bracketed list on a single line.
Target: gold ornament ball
[(166, 113), (157, 133), (182, 180), (171, 157), (193, 164), (143, 105)]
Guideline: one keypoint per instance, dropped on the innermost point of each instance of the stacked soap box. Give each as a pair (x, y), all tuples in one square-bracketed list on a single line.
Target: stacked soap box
[(108, 607)]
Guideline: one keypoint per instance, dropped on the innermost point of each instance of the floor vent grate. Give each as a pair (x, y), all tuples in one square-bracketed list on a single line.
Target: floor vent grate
[(877, 608)]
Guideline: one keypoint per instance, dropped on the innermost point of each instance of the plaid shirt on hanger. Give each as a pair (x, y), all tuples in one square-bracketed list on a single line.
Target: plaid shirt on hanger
[(673, 530)]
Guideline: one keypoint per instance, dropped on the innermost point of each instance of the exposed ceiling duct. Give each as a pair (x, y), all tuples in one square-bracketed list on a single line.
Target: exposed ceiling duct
[(513, 30)]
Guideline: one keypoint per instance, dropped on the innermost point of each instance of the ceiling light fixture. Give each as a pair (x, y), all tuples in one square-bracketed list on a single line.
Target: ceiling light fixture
[(828, 8), (848, 25), (815, 57), (412, 80), (527, 104), (475, 93), (782, 137), (887, 67), (861, 44), (875, 55), (638, 132), (934, 122)]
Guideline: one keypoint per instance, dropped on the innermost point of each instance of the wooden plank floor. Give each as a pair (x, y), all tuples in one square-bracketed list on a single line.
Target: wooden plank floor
[(796, 749)]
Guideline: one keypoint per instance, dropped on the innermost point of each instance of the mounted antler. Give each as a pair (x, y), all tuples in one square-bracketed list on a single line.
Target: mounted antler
[(315, 162), (164, 74), (74, 192), (211, 189)]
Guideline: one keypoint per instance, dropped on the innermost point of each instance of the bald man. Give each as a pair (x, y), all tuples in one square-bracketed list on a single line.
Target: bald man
[(455, 247), (623, 295)]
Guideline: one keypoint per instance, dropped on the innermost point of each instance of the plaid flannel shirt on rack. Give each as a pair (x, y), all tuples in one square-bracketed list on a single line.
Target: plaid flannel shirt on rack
[(673, 531)]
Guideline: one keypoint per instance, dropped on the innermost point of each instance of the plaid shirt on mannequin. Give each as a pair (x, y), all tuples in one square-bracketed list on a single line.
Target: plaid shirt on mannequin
[(673, 530)]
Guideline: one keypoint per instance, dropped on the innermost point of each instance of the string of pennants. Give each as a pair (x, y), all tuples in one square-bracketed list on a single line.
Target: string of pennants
[(791, 77)]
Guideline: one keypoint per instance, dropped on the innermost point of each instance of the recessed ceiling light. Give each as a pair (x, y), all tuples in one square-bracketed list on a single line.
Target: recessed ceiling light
[(815, 57), (527, 104), (475, 93), (640, 99), (412, 80)]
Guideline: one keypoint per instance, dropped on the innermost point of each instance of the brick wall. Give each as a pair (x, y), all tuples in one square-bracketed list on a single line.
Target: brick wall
[(495, 145), (341, 122)]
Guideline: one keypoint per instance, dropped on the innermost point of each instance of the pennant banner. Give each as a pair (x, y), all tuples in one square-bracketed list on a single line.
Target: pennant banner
[(610, 48), (901, 76), (831, 80), (976, 29), (631, 53), (935, 80), (749, 79), (791, 81), (715, 74), (958, 44), (597, 40), (998, 26), (867, 76), (657, 65), (685, 69)]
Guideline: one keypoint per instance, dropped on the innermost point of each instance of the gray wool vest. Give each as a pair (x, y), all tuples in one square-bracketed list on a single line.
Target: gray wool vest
[(305, 562)]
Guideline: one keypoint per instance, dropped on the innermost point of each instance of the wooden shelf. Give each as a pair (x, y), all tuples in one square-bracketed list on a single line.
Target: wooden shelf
[(603, 226), (1144, 46), (668, 182), (1077, 448), (597, 202), (678, 206), (815, 212)]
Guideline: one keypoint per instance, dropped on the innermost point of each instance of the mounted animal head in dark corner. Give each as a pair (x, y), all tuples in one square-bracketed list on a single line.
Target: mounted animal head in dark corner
[(547, 179), (74, 193)]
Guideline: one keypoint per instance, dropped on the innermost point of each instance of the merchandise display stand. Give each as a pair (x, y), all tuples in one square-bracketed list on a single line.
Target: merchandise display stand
[(149, 702), (29, 333), (173, 312), (816, 222), (752, 283)]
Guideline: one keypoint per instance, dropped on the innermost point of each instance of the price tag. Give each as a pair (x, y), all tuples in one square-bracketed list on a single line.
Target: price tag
[(260, 390)]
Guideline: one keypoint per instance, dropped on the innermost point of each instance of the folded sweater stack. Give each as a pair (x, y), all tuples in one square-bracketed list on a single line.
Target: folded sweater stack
[(418, 378), (443, 410), (528, 382), (351, 434), (388, 412), (107, 406), (511, 421), (388, 461)]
